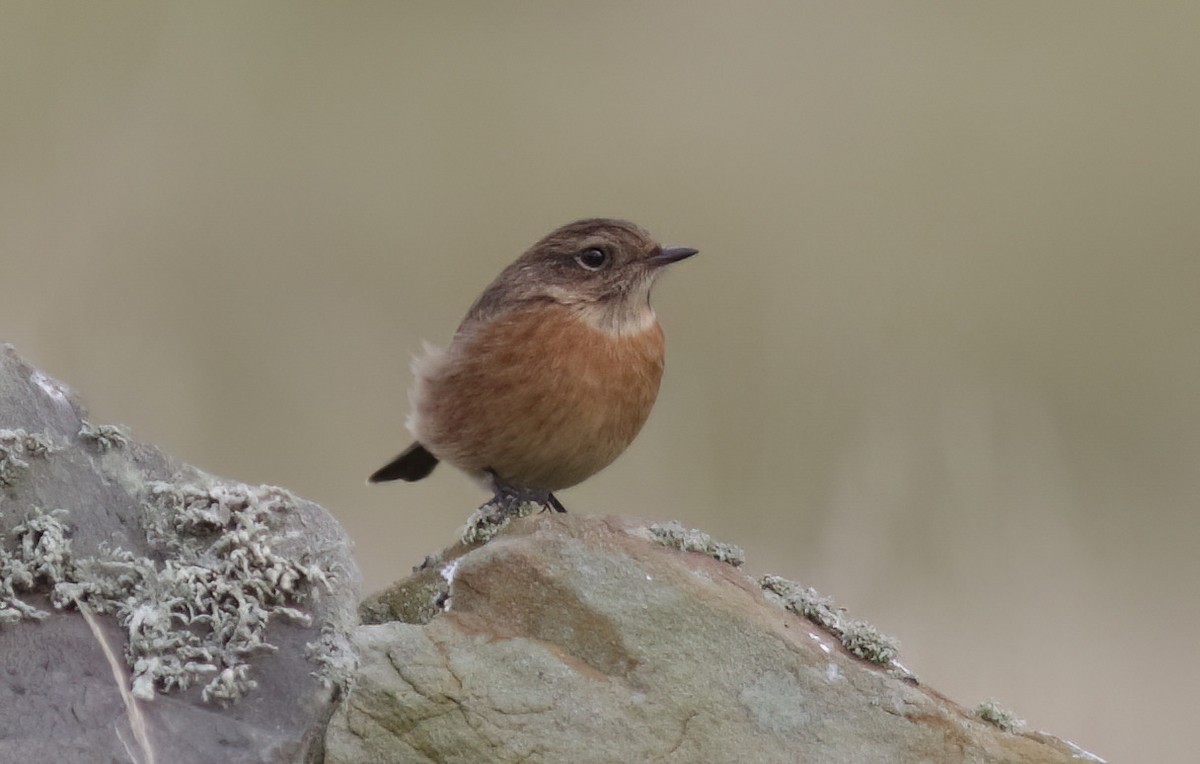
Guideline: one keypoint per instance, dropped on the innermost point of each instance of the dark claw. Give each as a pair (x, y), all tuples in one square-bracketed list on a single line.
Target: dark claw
[(513, 496)]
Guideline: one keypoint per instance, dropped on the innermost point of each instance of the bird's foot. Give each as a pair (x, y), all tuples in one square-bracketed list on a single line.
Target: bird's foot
[(512, 497)]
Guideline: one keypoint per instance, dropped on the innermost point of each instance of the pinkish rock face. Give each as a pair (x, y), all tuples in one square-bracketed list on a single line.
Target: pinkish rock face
[(575, 638)]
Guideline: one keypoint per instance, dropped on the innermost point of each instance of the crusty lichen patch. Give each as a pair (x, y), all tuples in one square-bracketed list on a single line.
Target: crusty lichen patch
[(15, 446), (868, 643), (859, 637), (12, 466), (42, 557), (208, 608), (485, 522), (993, 713), (676, 536), (103, 436), (199, 614), (416, 599), (334, 656)]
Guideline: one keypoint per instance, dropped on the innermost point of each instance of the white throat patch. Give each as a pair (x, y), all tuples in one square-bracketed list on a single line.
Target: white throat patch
[(616, 320)]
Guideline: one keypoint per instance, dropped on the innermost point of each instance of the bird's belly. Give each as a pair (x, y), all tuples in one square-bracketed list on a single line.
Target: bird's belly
[(544, 401)]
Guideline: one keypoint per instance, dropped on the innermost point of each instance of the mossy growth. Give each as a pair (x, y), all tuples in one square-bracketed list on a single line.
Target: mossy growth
[(993, 713), (676, 536), (859, 637), (416, 599)]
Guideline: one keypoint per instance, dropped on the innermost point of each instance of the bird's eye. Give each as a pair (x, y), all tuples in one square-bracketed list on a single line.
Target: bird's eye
[(592, 258)]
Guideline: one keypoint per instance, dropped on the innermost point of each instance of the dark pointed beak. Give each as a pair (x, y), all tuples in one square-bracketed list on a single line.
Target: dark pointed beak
[(668, 255)]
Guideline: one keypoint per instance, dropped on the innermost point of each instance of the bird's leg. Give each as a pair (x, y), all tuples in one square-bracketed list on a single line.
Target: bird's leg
[(509, 497)]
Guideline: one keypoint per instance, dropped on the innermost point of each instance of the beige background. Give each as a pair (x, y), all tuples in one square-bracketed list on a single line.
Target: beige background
[(938, 356)]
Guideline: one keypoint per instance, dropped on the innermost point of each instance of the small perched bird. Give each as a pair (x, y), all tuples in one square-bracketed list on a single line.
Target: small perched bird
[(553, 371)]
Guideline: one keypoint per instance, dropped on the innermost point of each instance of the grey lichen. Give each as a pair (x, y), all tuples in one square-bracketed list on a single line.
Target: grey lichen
[(993, 713), (39, 444), (859, 637), (204, 611), (104, 436), (485, 522), (805, 601), (868, 643), (12, 466), (676, 536), (16, 444), (334, 655), (42, 559)]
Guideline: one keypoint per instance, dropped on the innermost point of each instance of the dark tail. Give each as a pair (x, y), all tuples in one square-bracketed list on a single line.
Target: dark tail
[(415, 463)]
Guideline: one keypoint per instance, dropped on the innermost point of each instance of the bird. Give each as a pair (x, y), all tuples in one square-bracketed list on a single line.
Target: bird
[(553, 371)]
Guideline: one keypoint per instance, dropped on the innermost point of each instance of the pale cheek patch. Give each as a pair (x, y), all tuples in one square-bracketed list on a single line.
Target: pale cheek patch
[(628, 316)]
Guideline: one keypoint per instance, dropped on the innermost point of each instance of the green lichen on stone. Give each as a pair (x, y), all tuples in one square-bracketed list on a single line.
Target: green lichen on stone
[(859, 637), (416, 599), (805, 601), (868, 643), (104, 436), (485, 522), (993, 713), (676, 536)]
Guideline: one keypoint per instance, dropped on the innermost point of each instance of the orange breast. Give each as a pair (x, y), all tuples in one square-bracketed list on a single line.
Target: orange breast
[(540, 397)]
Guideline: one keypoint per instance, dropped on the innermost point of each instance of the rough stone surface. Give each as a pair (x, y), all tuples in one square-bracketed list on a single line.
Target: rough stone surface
[(150, 612), (579, 639)]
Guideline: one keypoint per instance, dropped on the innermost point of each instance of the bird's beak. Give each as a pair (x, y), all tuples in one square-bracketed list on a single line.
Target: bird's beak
[(668, 255)]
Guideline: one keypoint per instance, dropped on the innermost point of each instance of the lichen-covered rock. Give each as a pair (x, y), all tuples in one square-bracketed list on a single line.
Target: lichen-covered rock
[(150, 612), (580, 639)]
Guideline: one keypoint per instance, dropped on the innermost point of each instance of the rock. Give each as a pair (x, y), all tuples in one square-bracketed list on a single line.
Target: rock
[(150, 612), (569, 638)]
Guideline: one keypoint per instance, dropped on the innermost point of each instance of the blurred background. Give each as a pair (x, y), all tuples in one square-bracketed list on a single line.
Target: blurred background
[(937, 358)]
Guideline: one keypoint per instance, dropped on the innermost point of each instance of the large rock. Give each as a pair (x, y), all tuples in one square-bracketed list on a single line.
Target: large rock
[(150, 612), (582, 639)]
